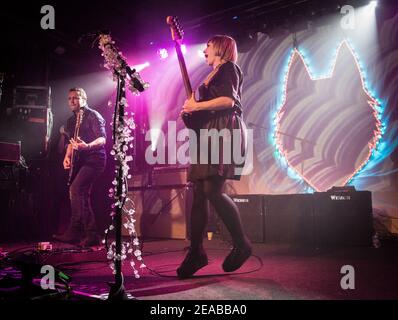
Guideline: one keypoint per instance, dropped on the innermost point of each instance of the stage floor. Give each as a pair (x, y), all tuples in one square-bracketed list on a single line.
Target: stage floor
[(274, 271)]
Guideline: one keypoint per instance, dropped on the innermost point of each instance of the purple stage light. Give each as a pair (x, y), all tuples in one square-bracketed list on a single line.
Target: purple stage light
[(163, 53)]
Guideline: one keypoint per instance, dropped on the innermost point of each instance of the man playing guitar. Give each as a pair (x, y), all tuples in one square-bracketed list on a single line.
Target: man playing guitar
[(85, 158)]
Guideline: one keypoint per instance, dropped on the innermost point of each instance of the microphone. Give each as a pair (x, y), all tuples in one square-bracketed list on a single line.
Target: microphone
[(136, 83)]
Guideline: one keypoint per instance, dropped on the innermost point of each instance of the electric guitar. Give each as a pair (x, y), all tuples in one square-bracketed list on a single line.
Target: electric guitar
[(195, 119), (74, 155)]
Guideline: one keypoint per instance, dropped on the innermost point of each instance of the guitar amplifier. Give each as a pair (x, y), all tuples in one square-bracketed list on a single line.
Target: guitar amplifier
[(10, 152), (289, 218), (162, 212), (319, 219), (169, 176), (343, 218), (32, 97), (159, 177), (139, 180), (252, 210), (33, 120)]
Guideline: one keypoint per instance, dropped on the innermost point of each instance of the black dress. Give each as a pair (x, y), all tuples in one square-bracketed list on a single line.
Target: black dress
[(227, 82)]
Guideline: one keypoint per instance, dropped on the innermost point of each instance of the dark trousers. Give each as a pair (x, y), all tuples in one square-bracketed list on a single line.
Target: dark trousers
[(82, 215), (211, 190)]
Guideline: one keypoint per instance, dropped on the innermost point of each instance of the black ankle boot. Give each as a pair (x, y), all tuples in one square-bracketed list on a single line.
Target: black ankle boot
[(193, 261), (236, 258)]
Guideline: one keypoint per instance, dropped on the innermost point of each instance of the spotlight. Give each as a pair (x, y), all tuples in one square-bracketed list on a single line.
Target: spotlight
[(183, 48), (163, 53), (201, 54), (372, 5), (142, 66), (154, 134)]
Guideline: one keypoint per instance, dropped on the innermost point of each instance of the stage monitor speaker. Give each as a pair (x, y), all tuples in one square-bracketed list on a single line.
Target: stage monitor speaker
[(343, 218), (161, 212), (289, 219), (251, 207)]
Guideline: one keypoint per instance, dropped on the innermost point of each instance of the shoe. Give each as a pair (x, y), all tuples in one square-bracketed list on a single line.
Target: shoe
[(90, 241), (192, 263), (236, 258), (67, 238)]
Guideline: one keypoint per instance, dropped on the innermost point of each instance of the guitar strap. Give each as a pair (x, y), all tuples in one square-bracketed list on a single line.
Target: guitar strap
[(212, 74)]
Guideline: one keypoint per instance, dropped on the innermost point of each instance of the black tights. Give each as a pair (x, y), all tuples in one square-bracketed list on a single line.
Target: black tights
[(211, 189)]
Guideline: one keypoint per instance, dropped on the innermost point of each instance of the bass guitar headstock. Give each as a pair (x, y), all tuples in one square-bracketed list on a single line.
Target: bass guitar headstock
[(176, 30)]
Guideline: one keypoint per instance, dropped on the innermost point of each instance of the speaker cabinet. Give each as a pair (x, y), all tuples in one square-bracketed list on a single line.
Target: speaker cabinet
[(161, 212), (343, 218), (289, 219), (325, 218), (251, 209)]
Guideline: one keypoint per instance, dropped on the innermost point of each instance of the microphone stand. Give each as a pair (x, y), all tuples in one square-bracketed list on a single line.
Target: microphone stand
[(117, 290), (120, 70), (302, 140)]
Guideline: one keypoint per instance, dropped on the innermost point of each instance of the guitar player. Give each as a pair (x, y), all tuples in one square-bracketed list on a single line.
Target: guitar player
[(220, 97), (86, 158)]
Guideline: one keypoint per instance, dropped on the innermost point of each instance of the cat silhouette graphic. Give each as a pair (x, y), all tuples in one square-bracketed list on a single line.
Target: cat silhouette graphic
[(327, 126)]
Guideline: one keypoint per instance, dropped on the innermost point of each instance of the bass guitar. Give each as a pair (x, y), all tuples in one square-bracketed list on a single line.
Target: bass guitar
[(191, 120), (74, 155)]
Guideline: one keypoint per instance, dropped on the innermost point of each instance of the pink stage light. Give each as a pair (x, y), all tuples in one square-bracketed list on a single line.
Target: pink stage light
[(142, 66), (163, 53)]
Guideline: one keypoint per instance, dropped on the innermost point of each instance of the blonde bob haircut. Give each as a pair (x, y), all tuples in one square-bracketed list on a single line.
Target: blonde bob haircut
[(225, 47)]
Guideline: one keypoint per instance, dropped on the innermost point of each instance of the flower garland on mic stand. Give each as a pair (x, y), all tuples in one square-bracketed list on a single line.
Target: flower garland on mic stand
[(118, 251)]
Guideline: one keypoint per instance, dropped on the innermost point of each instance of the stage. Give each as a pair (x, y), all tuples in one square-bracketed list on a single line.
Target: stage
[(274, 272), (98, 139)]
